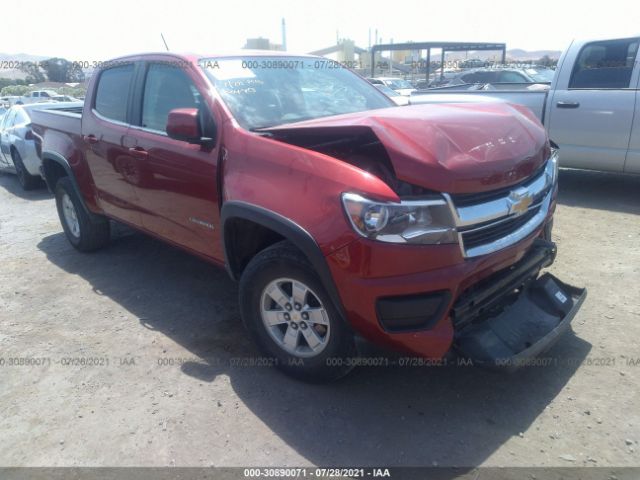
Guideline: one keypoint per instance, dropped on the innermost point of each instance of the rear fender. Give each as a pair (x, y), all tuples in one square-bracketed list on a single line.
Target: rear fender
[(51, 162)]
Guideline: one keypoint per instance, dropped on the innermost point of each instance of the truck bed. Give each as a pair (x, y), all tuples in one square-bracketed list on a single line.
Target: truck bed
[(66, 119)]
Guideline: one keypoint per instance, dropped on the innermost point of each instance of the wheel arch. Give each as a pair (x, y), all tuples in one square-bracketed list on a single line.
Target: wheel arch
[(54, 167), (284, 229)]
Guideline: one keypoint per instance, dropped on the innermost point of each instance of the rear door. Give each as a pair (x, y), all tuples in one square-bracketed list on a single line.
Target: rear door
[(177, 189), (591, 110), (104, 131)]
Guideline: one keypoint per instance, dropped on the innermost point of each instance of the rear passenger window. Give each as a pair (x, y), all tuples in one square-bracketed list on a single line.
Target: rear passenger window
[(469, 78), (512, 77), (167, 87), (113, 91), (481, 77), (8, 119), (607, 64)]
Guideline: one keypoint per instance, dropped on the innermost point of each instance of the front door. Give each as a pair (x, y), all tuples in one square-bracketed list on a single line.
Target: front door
[(5, 150), (177, 190)]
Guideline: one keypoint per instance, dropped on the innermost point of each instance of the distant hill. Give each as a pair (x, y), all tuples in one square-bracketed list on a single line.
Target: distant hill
[(514, 54), (15, 73), (21, 57), (519, 54)]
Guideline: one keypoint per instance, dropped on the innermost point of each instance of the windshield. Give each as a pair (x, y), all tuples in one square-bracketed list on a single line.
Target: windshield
[(398, 83), (269, 91), (543, 75)]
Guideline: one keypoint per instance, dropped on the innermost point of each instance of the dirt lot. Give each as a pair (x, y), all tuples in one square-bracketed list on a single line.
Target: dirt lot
[(157, 331)]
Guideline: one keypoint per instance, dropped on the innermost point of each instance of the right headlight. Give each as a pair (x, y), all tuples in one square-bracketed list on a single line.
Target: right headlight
[(553, 165), (412, 221)]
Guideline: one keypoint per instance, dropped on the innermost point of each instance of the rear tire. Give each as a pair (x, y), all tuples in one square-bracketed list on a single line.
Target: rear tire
[(27, 181), (85, 231), (292, 318)]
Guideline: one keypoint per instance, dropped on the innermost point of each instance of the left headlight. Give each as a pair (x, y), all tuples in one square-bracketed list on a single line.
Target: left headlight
[(412, 221)]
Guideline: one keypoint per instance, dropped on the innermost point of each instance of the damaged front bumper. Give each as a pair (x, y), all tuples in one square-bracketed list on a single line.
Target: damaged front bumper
[(515, 316)]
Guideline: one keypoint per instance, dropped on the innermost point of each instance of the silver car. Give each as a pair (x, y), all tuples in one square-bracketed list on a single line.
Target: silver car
[(17, 149), (503, 75)]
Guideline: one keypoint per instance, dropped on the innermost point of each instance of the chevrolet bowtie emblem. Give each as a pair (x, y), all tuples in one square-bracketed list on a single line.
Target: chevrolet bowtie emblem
[(519, 201)]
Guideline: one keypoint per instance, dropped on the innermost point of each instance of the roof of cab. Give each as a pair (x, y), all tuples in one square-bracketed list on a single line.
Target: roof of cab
[(195, 58)]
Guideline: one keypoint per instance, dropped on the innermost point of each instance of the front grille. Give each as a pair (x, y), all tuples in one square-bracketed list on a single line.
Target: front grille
[(495, 231), (468, 199), (490, 221)]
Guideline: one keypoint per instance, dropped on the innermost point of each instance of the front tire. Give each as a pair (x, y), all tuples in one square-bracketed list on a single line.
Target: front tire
[(27, 181), (292, 318), (85, 231)]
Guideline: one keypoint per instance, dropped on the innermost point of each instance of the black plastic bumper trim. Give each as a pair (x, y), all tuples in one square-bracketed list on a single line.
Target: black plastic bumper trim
[(412, 313)]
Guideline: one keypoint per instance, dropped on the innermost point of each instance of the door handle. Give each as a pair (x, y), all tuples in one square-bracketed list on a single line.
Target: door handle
[(137, 152), (90, 139), (568, 104)]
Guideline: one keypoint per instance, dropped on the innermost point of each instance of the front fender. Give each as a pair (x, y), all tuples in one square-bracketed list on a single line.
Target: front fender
[(285, 227)]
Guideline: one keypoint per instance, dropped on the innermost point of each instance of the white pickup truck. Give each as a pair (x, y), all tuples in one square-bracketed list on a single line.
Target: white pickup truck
[(37, 96), (591, 110)]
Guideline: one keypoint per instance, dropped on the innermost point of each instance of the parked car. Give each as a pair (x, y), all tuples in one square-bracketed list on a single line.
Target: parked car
[(403, 87), (37, 96), (400, 100), (437, 79), (589, 108), (502, 75), (9, 100), (473, 63), (338, 212), (64, 98), (17, 149)]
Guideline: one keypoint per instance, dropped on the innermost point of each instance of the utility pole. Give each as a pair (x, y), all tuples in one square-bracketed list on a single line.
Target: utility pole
[(284, 35)]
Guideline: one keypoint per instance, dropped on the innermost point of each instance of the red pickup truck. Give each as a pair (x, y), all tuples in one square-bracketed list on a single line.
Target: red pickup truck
[(421, 228)]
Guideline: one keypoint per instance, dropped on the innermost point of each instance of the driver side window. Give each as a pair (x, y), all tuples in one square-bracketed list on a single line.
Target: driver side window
[(8, 119), (166, 88)]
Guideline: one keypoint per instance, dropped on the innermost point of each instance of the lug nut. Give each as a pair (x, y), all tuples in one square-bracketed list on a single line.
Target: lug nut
[(303, 325), (298, 306), (294, 325), (287, 317), (305, 316), (288, 306)]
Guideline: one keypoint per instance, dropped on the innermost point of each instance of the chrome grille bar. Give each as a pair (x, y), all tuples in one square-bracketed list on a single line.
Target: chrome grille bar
[(532, 198)]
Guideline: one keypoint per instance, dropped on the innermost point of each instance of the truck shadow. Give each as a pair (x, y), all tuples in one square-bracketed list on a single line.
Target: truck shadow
[(598, 190), (10, 183), (451, 415)]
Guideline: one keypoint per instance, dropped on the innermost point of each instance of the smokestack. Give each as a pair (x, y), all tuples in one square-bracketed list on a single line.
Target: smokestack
[(284, 35), (375, 41), (369, 38)]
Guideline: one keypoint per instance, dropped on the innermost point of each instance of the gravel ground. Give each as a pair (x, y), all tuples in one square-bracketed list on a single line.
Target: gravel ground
[(159, 330)]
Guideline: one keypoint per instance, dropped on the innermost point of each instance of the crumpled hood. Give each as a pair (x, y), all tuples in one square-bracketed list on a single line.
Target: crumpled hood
[(454, 148)]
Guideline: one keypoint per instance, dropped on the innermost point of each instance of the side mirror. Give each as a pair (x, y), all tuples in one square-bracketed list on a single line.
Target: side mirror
[(184, 124)]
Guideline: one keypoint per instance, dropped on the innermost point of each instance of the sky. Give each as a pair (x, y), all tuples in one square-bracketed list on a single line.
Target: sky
[(99, 30)]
